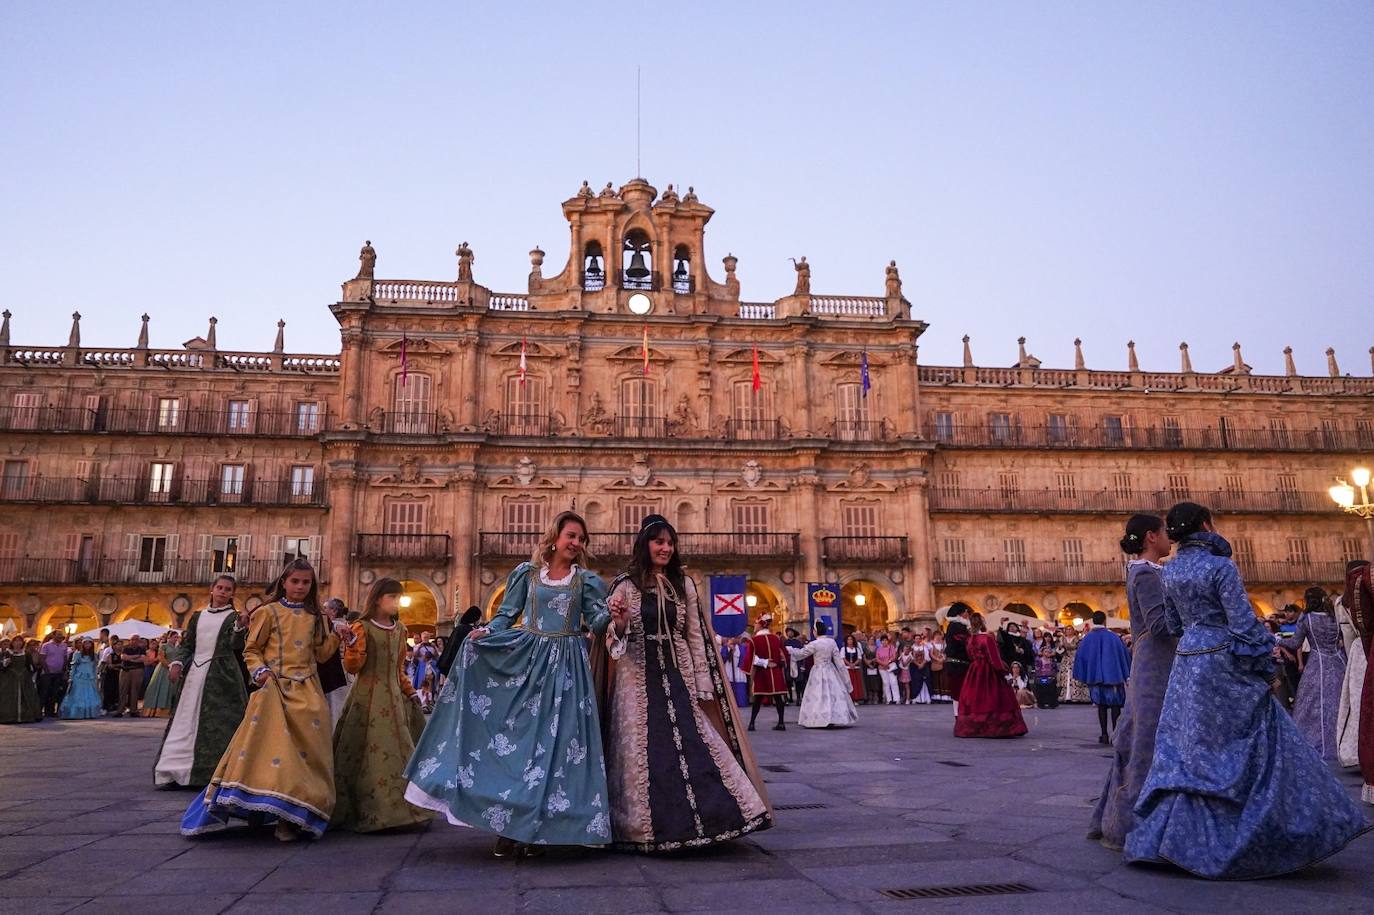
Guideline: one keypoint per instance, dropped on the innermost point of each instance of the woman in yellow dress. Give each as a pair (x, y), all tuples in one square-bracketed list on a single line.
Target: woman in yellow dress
[(279, 766)]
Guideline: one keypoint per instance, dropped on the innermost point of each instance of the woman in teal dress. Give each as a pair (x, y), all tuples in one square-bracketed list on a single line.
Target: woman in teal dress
[(18, 693), (82, 699), (514, 744), (160, 696)]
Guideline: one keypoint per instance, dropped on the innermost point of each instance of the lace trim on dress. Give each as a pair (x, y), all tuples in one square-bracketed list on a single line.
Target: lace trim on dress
[(382, 626), (630, 806), (559, 582)]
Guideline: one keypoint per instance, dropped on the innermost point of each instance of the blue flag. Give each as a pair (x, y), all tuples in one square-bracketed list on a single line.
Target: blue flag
[(729, 616), (863, 373)]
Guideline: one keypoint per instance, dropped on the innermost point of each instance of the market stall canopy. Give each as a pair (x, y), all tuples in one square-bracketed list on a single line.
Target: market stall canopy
[(126, 629)]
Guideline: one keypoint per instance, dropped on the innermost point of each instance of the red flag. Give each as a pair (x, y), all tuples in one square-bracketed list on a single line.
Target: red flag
[(404, 363), (758, 380), (524, 368), (646, 349)]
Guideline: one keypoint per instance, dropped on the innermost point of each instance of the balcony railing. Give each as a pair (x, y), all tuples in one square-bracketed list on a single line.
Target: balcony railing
[(1092, 379), (431, 548), (113, 490), (410, 422), (617, 545), (859, 550), (650, 283), (859, 430), (154, 420), (1054, 572), (639, 427), (47, 571), (536, 424), (1111, 437), (753, 430), (1055, 500)]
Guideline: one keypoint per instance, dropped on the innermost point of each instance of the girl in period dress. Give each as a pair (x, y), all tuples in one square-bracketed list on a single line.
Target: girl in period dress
[(1152, 659), (827, 701), (987, 704), (1323, 676), (18, 693), (380, 722), (208, 669), (1229, 764), (679, 766), (514, 744), (853, 658), (159, 697), (279, 766), (82, 699)]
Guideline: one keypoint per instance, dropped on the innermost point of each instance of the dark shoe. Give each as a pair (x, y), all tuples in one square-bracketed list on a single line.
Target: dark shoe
[(504, 848), (523, 850), (751, 725), (779, 727), (1104, 739)]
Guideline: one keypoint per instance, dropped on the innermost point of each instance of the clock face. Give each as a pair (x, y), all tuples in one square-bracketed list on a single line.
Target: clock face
[(641, 304)]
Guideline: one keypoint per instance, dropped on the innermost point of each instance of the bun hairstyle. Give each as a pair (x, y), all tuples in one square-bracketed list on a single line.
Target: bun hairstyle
[(1133, 544), (1186, 519), (820, 627)]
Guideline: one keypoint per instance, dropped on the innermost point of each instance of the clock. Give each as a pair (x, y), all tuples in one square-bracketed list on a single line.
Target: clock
[(641, 304)]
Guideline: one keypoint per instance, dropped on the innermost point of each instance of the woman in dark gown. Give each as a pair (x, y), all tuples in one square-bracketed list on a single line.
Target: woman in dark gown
[(678, 765), (987, 703)]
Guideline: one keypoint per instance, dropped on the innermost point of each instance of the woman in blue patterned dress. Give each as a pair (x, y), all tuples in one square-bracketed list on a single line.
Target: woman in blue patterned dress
[(82, 699), (1235, 792), (1323, 676), (514, 744)]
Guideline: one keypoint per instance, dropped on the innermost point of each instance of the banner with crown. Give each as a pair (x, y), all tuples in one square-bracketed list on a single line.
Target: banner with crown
[(823, 603), (728, 615)]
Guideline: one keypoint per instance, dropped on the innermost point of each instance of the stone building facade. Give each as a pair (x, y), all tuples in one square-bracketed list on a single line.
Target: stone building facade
[(795, 440)]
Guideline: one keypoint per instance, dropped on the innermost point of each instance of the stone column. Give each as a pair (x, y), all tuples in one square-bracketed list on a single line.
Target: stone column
[(465, 568), (803, 407), (920, 580), (352, 371), (809, 523), (340, 530), (470, 409)]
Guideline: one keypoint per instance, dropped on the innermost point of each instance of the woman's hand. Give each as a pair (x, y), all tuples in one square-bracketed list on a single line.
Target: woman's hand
[(620, 613), (262, 678), (478, 633)]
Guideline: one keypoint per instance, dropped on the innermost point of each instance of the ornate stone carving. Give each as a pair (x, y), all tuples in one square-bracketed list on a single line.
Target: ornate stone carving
[(683, 419), (893, 288), (859, 475), (596, 420), (803, 276), (640, 474), (524, 470), (752, 474), (465, 259), (585, 191)]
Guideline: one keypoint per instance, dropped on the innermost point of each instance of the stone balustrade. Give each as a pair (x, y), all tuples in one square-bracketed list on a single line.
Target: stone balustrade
[(848, 306), (1144, 381)]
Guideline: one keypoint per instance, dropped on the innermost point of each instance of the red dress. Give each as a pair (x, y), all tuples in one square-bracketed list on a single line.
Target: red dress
[(769, 681), (987, 703)]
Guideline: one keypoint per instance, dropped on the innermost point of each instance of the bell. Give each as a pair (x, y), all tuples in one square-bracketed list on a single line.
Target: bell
[(637, 270), (681, 272), (594, 268)]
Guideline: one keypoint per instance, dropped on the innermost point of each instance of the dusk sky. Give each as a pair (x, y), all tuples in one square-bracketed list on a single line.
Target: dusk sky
[(1149, 171)]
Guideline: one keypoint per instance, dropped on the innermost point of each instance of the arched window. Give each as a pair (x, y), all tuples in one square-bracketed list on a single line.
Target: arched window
[(411, 412), (639, 416), (525, 414), (682, 270), (752, 412), (639, 262), (593, 274)]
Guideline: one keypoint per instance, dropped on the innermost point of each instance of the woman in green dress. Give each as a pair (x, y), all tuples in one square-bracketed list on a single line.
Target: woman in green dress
[(380, 722), (160, 696), (18, 692), (514, 745)]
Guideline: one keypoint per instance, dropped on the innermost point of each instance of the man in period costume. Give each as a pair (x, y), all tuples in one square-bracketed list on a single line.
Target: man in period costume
[(956, 649), (770, 658), (1359, 601)]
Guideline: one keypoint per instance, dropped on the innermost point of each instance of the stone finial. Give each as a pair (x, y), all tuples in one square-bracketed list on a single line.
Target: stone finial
[(1187, 363), (1238, 365), (1132, 363), (143, 333), (1021, 357), (968, 354), (1078, 362), (1371, 360), (1289, 368), (74, 338), (280, 345), (5, 329), (1331, 366), (210, 334)]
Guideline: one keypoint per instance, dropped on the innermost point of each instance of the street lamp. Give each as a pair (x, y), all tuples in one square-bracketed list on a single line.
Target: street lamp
[(1343, 494)]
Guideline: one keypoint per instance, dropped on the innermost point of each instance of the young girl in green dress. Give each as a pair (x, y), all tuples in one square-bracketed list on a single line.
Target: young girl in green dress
[(380, 722)]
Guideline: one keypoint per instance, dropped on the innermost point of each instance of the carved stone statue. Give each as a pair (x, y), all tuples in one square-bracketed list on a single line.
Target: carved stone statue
[(367, 258), (465, 260), (691, 195), (669, 196), (585, 191), (596, 419), (894, 281), (491, 422), (803, 277), (683, 419), (608, 190)]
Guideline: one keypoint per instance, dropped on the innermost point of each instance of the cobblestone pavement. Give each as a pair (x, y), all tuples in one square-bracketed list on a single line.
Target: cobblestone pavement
[(892, 804)]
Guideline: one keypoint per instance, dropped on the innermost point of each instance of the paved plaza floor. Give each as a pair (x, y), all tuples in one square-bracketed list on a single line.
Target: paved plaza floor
[(896, 803)]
